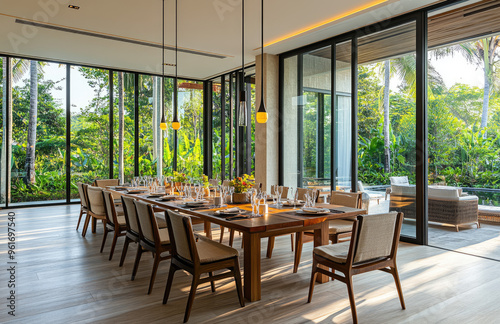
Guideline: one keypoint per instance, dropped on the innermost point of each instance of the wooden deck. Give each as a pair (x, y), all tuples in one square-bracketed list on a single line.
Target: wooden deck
[(62, 278)]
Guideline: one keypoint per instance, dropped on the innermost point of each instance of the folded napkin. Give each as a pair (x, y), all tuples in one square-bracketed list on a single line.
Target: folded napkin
[(188, 200), (313, 209), (230, 210)]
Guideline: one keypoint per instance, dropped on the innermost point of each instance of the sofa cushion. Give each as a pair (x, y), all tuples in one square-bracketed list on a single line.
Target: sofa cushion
[(398, 190), (444, 192)]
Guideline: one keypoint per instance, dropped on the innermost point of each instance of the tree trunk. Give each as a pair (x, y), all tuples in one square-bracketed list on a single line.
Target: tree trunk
[(30, 147), (387, 140), (121, 127), (5, 164)]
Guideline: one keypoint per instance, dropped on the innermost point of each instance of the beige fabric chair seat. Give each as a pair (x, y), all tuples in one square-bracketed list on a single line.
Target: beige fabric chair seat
[(333, 252), (210, 251), (340, 226), (164, 237), (160, 219)]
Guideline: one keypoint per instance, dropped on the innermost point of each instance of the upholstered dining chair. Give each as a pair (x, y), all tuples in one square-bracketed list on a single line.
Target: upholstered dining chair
[(96, 210), (114, 224), (199, 257), (152, 239), (132, 224), (373, 246), (338, 228), (84, 204), (103, 183)]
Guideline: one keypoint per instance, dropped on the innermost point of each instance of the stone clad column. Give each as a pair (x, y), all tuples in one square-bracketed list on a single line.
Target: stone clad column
[(266, 135)]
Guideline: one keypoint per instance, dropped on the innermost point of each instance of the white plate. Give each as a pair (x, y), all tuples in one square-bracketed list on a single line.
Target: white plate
[(224, 213), (195, 203)]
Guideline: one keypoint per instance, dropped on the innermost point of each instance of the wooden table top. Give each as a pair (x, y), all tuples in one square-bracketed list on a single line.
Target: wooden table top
[(274, 220)]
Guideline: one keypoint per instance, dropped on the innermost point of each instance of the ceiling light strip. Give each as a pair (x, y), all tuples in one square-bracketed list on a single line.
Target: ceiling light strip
[(326, 22), (115, 38)]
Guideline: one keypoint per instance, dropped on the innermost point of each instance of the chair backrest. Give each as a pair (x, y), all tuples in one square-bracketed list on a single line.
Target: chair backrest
[(103, 183), (181, 235), (360, 186), (348, 199), (213, 182), (401, 181), (82, 192), (225, 183), (284, 194), (110, 207), (130, 215), (301, 193), (376, 237), (147, 221), (96, 200)]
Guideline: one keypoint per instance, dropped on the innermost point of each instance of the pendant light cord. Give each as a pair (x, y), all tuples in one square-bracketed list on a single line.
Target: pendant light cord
[(242, 46), (262, 51), (175, 80), (163, 60)]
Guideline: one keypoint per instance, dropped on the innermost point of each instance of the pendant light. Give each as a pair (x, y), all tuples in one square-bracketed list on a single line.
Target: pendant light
[(261, 115), (175, 123), (163, 124), (242, 116)]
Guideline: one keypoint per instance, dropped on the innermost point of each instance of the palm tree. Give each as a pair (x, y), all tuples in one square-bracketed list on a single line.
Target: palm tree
[(405, 68), (30, 177), (17, 69), (483, 53)]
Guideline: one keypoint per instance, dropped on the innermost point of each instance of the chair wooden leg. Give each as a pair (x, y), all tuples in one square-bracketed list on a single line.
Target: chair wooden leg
[(113, 245), (104, 238), (270, 246), (86, 225), (136, 263), (125, 249), (222, 229), (192, 293), (291, 237), (237, 280), (313, 280), (298, 250), (456, 227), (153, 273), (94, 224), (395, 274), (79, 219), (231, 237), (351, 298), (478, 225), (212, 283), (170, 279)]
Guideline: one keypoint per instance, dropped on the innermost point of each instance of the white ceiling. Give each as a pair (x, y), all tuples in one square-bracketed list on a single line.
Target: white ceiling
[(210, 26)]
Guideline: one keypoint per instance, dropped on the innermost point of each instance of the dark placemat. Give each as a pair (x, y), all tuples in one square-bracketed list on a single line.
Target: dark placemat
[(336, 211), (246, 214)]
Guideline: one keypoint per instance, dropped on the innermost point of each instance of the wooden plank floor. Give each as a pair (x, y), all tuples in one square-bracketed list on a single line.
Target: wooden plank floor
[(62, 278)]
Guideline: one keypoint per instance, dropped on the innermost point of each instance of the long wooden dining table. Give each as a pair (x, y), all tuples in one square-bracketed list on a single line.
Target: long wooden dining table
[(275, 222)]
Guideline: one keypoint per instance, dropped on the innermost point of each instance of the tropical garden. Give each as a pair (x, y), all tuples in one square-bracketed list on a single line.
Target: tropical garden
[(463, 121)]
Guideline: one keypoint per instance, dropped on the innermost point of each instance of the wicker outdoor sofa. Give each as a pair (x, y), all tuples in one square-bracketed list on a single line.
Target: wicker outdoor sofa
[(447, 205)]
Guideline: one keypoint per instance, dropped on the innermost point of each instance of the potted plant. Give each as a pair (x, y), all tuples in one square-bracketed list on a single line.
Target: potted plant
[(179, 178), (241, 186)]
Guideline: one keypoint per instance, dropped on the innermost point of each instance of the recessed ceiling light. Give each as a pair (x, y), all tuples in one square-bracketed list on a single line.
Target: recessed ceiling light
[(74, 7), (169, 64)]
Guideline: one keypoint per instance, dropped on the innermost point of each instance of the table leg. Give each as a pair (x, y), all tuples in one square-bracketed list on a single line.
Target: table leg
[(321, 238), (251, 265), (208, 229), (94, 224)]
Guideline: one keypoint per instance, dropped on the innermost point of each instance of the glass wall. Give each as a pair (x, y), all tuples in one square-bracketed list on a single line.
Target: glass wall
[(123, 126), (190, 103), (217, 102), (229, 111), (307, 117), (168, 134), (387, 118), (89, 90), (38, 132), (3, 165)]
